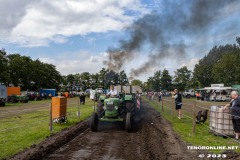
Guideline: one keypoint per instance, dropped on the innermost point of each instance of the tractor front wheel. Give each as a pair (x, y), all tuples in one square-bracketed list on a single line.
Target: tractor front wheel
[(94, 122), (128, 125)]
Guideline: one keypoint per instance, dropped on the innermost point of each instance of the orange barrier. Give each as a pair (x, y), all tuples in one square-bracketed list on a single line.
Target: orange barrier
[(59, 107), (13, 90)]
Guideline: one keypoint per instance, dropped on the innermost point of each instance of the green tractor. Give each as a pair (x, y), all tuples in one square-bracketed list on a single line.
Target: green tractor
[(17, 98), (120, 108)]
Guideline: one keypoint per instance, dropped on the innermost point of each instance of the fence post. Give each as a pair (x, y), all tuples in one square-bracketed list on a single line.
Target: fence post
[(194, 122), (172, 106), (50, 120)]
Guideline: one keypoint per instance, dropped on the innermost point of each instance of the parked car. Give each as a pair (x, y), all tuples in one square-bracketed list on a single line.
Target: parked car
[(34, 96), (189, 93)]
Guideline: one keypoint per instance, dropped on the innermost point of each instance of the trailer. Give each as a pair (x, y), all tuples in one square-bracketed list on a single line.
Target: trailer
[(217, 92), (3, 95), (13, 91), (48, 92)]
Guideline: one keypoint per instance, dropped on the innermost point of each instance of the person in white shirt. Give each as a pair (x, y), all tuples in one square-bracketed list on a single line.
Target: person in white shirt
[(112, 92)]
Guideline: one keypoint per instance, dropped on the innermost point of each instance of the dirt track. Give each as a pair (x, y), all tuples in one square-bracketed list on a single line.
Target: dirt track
[(152, 138), (28, 107)]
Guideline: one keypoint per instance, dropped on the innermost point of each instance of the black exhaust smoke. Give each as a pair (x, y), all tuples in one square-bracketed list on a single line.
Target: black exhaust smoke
[(165, 32)]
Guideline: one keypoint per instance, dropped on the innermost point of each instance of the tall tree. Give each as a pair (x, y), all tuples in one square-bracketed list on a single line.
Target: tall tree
[(182, 77), (20, 70), (203, 70), (226, 70), (123, 79), (157, 81), (4, 74), (102, 74), (85, 80), (166, 80), (136, 82)]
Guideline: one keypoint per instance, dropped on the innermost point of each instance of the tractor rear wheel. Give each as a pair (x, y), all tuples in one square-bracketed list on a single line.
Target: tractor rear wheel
[(100, 108), (94, 122), (128, 125)]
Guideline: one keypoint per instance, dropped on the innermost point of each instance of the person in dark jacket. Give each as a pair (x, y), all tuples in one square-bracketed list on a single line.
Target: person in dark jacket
[(235, 112), (178, 102), (82, 98)]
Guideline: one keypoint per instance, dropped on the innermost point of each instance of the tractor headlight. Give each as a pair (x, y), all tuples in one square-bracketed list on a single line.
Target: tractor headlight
[(116, 107)]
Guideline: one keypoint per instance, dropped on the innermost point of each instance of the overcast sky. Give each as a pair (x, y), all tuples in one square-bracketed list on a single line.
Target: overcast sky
[(74, 35)]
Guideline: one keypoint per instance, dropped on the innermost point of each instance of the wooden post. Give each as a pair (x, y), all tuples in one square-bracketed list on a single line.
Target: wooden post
[(172, 106), (194, 121), (50, 120)]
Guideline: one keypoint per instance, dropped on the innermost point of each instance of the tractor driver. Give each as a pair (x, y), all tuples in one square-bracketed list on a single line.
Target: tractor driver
[(112, 92)]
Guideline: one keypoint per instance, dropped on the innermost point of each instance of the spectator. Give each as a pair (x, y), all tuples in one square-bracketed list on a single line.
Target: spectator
[(82, 98), (152, 94), (235, 112), (178, 102), (214, 96), (207, 96), (149, 96), (198, 95), (159, 96), (138, 95)]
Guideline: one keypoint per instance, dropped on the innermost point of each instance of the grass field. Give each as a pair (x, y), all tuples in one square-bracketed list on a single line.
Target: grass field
[(183, 126), (20, 132), (27, 104)]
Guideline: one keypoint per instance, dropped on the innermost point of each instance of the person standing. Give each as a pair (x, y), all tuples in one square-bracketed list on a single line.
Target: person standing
[(82, 98), (160, 96), (214, 96), (235, 112), (178, 102), (152, 95)]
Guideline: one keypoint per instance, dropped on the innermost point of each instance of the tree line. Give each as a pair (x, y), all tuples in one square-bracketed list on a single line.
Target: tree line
[(220, 65), (17, 70), (102, 79), (163, 81), (32, 75)]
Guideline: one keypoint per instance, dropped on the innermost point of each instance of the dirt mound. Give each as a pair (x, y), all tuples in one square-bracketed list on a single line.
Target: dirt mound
[(52, 143)]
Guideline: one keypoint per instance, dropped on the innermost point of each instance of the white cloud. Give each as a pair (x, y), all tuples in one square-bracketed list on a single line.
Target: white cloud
[(77, 63), (36, 23), (190, 64)]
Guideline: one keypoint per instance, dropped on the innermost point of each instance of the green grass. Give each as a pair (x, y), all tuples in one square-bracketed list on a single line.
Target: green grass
[(183, 127), (26, 104), (20, 132)]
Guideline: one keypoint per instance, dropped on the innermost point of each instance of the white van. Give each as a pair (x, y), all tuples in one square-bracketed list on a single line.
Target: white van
[(189, 93)]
